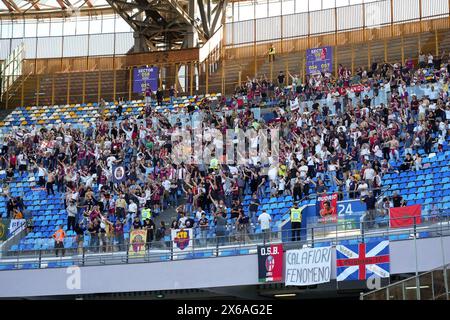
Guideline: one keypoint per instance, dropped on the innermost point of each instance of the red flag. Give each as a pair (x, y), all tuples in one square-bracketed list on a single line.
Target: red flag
[(404, 216)]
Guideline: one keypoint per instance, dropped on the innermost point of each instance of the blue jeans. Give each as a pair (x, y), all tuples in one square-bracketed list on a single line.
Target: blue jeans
[(203, 237), (321, 176), (252, 216), (173, 199), (188, 207), (94, 243), (120, 242), (220, 234), (332, 176)]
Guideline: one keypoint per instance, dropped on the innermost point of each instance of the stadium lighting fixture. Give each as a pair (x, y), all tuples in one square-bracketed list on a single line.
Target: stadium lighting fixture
[(421, 287)]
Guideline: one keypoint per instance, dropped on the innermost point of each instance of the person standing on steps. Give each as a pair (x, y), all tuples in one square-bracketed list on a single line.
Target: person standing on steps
[(296, 221), (59, 236)]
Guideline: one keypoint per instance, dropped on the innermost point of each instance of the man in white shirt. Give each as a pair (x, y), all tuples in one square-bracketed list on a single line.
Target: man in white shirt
[(199, 213), (166, 184), (182, 220), (132, 210), (264, 220), (363, 188), (369, 175), (303, 170), (41, 175), (110, 160)]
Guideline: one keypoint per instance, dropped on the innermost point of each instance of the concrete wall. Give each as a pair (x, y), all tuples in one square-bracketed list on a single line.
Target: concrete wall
[(201, 273)]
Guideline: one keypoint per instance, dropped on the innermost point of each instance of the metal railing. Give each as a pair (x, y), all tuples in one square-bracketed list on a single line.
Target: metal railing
[(431, 285), (240, 242)]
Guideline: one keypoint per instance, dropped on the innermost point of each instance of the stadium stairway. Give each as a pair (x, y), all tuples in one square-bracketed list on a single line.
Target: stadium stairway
[(47, 212)]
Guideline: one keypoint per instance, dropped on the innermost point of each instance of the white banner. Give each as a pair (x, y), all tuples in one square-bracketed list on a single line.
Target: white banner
[(16, 225), (308, 266), (182, 239)]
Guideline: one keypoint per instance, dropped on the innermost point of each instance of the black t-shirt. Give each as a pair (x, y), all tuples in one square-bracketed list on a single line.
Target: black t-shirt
[(137, 225), (94, 230), (79, 231), (397, 200), (190, 108), (254, 204), (235, 209), (281, 78), (160, 233), (254, 183), (243, 220), (370, 202), (203, 223), (61, 156), (189, 223)]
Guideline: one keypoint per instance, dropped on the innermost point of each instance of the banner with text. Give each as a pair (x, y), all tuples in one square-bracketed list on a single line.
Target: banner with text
[(270, 263), (308, 266), (15, 226), (144, 77), (363, 260), (182, 239), (326, 207), (319, 60)]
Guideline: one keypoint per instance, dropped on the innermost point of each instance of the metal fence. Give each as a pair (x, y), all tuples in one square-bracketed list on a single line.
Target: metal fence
[(432, 285), (233, 243)]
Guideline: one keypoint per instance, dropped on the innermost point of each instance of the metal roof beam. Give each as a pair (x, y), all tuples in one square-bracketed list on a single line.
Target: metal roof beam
[(12, 6), (61, 4), (35, 4)]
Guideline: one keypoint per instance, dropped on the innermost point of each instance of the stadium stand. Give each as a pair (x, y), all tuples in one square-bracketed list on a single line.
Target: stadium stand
[(35, 134)]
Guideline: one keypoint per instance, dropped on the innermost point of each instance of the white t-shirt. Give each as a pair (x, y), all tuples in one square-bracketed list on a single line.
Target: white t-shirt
[(264, 219), (378, 152), (132, 207), (198, 214), (182, 222), (41, 172), (110, 160), (303, 171), (142, 134), (281, 185), (369, 174), (272, 173), (21, 159), (363, 189), (166, 184), (422, 108)]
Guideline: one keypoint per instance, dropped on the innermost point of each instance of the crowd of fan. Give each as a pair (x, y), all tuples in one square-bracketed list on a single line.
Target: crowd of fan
[(346, 147)]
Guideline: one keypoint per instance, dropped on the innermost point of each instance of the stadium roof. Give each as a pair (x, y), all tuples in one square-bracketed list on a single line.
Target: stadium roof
[(32, 7)]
